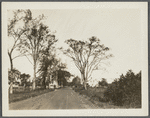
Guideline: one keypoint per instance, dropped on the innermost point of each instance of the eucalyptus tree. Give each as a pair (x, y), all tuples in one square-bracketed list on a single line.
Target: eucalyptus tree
[(87, 55), (34, 40)]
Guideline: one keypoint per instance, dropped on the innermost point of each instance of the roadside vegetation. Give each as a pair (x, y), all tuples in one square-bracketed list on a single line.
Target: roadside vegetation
[(124, 92), (22, 94)]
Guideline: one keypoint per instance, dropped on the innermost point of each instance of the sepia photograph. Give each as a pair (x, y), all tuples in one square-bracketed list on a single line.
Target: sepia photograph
[(75, 59)]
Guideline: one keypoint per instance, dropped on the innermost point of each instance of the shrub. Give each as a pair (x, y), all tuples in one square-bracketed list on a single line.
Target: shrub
[(126, 90), (103, 82)]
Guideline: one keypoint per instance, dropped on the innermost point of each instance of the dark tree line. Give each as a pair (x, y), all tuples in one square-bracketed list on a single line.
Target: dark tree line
[(126, 90)]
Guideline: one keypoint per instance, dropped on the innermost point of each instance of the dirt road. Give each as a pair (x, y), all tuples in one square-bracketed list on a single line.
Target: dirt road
[(64, 98)]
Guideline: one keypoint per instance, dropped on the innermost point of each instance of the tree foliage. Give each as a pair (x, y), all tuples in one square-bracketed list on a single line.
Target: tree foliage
[(24, 77), (15, 33), (62, 76), (76, 81), (35, 39), (103, 82), (50, 68), (46, 68), (126, 90), (13, 75), (87, 55)]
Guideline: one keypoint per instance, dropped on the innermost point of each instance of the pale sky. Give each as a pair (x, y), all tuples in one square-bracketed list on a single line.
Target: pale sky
[(119, 29)]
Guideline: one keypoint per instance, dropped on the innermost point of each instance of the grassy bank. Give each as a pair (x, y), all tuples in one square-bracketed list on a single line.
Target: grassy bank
[(19, 95), (94, 93), (123, 92), (96, 96)]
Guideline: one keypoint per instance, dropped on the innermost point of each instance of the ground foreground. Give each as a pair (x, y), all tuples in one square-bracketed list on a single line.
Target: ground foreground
[(64, 98)]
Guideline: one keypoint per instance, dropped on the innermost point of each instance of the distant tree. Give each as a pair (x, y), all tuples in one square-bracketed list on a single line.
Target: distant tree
[(76, 81), (24, 77), (62, 76), (39, 82), (13, 74), (103, 82), (65, 83), (15, 33), (35, 39), (46, 68), (49, 66), (87, 56)]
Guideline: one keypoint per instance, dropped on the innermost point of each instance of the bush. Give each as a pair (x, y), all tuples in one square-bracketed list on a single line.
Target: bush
[(75, 81), (103, 82), (79, 86), (126, 91)]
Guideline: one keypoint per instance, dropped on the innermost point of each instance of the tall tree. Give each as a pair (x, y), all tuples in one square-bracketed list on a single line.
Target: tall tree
[(36, 37), (15, 32), (87, 55)]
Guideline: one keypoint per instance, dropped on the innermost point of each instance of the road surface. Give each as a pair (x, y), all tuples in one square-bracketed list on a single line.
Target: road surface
[(64, 98)]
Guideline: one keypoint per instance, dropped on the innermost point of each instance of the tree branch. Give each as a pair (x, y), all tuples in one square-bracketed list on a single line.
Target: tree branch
[(29, 59), (19, 56)]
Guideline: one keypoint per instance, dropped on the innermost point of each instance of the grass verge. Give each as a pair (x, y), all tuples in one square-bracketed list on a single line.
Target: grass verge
[(96, 96), (27, 93)]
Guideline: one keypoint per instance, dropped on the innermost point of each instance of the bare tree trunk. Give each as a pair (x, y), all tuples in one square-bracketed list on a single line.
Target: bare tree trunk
[(11, 88), (56, 79), (85, 87), (49, 81), (11, 68), (33, 85), (84, 80), (44, 83), (11, 62)]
